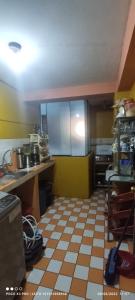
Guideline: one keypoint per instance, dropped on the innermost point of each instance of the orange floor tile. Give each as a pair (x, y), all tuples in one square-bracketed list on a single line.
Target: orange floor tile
[(73, 265)]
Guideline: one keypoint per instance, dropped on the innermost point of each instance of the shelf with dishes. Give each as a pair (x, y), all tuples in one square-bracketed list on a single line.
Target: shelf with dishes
[(124, 145)]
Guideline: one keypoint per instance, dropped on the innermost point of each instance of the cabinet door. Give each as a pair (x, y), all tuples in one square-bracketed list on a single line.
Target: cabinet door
[(58, 122)]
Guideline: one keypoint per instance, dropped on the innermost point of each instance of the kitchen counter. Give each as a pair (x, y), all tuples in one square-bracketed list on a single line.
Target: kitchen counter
[(33, 171), (26, 188)]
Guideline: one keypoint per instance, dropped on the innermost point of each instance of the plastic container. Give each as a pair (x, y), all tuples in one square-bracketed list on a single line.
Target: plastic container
[(125, 167)]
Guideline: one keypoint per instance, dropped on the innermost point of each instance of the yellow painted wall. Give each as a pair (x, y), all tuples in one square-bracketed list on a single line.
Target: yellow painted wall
[(16, 117), (73, 176), (126, 94)]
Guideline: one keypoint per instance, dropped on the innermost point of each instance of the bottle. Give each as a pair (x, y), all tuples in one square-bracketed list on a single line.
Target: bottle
[(20, 158)]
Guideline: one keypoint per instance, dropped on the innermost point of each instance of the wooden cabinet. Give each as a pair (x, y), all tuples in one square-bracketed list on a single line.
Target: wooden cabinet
[(73, 176)]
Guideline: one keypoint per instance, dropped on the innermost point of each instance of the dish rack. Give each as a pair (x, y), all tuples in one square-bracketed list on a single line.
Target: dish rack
[(42, 142), (119, 208)]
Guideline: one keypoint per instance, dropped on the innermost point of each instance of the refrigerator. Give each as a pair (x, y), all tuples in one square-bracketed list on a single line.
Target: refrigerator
[(67, 127)]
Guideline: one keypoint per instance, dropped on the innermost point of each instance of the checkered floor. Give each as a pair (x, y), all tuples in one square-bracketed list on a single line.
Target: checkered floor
[(74, 232)]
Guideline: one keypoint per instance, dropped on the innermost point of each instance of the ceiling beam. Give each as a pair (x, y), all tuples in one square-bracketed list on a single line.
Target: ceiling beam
[(71, 91), (126, 75)]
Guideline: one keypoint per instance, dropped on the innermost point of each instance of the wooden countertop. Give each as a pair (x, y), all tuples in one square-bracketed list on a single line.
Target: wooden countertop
[(14, 183)]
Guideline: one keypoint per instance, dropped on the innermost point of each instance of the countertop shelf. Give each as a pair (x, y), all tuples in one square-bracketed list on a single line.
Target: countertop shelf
[(27, 188), (32, 172), (100, 170)]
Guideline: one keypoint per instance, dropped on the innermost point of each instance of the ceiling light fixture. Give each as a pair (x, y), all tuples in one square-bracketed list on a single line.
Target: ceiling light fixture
[(18, 56), (14, 46)]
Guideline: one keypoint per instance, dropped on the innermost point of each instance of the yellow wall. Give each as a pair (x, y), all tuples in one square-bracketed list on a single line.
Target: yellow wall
[(126, 94), (73, 176), (16, 117)]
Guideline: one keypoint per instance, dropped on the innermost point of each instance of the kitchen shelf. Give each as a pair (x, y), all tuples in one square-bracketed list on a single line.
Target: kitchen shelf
[(101, 185), (100, 173), (102, 162), (124, 145)]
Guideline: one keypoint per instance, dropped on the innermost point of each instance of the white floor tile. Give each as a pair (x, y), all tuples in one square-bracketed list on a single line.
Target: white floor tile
[(90, 221), (81, 272), (66, 201), (71, 257), (45, 220), (83, 215), (35, 276), (101, 201), (43, 293), (85, 249), (100, 217), (62, 223), (50, 227), (62, 207), (93, 204), (79, 202), (57, 216), (88, 233), (77, 209), (45, 240), (94, 291), (100, 208), (127, 295), (99, 228), (71, 205), (67, 213), (68, 230), (92, 211), (76, 238), (96, 262), (73, 218), (52, 211), (106, 253), (80, 225), (98, 243), (63, 283), (56, 235), (54, 266), (63, 245), (73, 297), (48, 252), (85, 207)]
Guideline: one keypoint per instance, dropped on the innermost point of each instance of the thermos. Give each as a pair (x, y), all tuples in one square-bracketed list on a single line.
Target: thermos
[(35, 155), (20, 158)]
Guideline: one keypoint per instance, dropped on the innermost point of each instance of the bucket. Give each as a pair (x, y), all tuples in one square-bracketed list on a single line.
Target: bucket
[(126, 266)]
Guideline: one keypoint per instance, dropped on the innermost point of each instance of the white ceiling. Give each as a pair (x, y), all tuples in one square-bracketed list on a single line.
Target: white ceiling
[(77, 41)]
